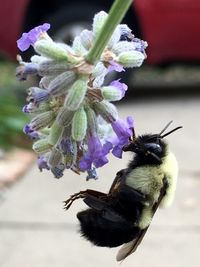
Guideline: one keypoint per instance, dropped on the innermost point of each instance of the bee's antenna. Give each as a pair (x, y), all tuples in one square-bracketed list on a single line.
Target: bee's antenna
[(165, 128), (171, 131)]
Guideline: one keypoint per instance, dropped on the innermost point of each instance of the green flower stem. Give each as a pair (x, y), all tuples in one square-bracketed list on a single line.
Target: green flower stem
[(115, 16)]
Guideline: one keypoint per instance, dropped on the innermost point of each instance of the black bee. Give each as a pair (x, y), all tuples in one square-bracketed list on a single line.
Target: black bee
[(123, 215)]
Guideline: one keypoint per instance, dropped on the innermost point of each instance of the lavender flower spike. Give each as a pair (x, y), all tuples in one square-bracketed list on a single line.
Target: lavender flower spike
[(29, 38)]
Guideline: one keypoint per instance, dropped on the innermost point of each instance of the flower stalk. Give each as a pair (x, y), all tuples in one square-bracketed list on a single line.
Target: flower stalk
[(115, 16)]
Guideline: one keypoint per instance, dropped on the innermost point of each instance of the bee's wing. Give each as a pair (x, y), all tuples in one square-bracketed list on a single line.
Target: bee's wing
[(117, 180), (131, 246)]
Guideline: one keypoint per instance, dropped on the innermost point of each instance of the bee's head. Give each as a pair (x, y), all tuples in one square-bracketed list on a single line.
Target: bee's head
[(150, 146)]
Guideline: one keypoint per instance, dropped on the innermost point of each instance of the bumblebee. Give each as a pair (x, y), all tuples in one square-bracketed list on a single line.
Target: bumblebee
[(123, 215)]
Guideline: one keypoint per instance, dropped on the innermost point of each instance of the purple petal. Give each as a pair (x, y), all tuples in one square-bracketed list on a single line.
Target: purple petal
[(91, 174), (120, 86), (123, 131), (114, 66), (126, 34), (25, 109), (31, 37), (33, 135), (30, 107), (42, 163), (107, 147), (94, 145), (85, 164), (27, 129), (30, 132), (96, 154), (100, 161), (58, 170), (129, 120), (117, 151), (140, 45)]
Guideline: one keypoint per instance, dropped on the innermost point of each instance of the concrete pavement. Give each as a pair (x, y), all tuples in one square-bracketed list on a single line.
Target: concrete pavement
[(36, 232)]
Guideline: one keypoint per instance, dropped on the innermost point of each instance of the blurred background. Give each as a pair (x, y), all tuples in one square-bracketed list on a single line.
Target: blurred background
[(34, 229)]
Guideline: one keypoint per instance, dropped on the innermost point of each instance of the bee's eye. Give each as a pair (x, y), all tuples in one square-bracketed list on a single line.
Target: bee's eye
[(153, 147)]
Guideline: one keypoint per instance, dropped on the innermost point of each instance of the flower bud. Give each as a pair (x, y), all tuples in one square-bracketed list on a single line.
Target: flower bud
[(58, 170), (76, 94), (78, 47), (79, 125), (66, 146), (98, 22), (55, 157), (38, 59), (45, 81), (107, 110), (67, 47), (35, 109), (91, 120), (75, 153), (67, 131), (99, 74), (52, 50), (111, 93), (26, 69), (114, 38), (42, 120), (64, 117), (52, 67), (99, 70), (115, 91), (68, 159), (123, 46), (71, 154), (61, 83), (37, 95), (131, 59), (41, 146), (126, 32), (87, 38), (55, 133)]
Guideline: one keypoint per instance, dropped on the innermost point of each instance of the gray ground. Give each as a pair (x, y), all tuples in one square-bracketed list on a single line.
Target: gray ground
[(36, 232)]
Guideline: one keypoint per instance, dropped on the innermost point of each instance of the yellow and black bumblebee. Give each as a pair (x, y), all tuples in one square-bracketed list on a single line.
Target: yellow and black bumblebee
[(123, 215)]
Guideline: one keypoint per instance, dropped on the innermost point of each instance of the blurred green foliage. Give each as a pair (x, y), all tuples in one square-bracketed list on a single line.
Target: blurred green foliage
[(12, 99)]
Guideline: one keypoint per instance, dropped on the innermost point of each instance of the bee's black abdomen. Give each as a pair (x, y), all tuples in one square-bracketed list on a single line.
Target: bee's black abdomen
[(103, 232)]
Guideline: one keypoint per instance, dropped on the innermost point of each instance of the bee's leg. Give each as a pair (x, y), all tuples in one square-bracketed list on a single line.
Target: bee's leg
[(82, 194)]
